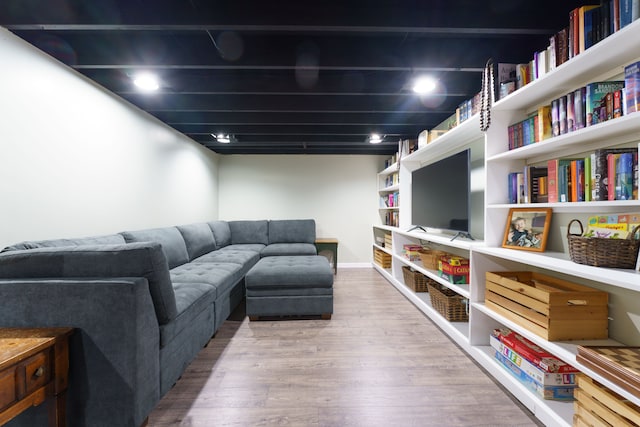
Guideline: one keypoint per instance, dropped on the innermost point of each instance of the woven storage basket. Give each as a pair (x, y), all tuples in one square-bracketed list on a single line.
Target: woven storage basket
[(599, 252), (449, 304), (415, 280), (430, 257)]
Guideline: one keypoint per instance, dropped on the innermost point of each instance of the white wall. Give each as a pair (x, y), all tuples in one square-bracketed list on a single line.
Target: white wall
[(339, 192), (76, 160)]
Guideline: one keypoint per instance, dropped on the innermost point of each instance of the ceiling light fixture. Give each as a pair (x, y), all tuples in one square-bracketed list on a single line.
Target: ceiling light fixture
[(146, 82), (375, 138), (222, 138), (424, 85)]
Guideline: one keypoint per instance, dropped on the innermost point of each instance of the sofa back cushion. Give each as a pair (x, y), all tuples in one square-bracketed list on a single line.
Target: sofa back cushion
[(111, 239), (169, 237), (292, 231), (98, 261), (221, 233), (256, 231), (198, 238)]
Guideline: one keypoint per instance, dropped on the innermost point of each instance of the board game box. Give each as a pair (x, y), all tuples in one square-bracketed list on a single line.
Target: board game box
[(620, 365)]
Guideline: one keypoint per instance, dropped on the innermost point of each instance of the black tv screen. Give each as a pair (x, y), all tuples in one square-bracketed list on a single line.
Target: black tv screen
[(440, 194)]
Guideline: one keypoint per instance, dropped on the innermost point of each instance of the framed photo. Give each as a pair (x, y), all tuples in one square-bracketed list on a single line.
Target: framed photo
[(527, 229)]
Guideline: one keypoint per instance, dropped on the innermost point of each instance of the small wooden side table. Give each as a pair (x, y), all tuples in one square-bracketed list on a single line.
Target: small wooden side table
[(329, 244), (34, 367)]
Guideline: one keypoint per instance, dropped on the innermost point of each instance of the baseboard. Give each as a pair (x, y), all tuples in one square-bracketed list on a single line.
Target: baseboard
[(354, 265)]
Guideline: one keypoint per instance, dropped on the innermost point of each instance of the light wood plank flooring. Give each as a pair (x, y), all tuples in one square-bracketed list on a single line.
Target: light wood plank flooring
[(377, 362)]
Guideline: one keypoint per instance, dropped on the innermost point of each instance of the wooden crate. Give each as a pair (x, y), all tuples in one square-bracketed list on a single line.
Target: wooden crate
[(552, 308), (387, 241), (430, 258), (596, 405), (381, 258)]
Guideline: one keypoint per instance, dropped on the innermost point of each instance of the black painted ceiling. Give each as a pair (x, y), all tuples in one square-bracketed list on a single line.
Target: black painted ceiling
[(313, 77)]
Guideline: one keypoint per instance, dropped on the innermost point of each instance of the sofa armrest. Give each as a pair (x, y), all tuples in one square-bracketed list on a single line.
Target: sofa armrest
[(114, 352)]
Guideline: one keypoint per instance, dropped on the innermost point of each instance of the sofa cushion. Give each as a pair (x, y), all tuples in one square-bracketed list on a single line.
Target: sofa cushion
[(169, 237), (220, 275), (221, 233), (198, 238), (191, 300), (124, 260), (256, 231), (111, 239), (292, 231), (280, 249), (228, 254)]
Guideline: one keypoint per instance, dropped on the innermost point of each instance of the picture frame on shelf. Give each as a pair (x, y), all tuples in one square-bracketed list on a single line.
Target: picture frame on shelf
[(527, 229)]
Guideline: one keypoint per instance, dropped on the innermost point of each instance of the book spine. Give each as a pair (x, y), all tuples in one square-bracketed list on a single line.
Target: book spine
[(552, 182), (579, 102), (555, 117), (612, 159), (587, 179), (624, 177)]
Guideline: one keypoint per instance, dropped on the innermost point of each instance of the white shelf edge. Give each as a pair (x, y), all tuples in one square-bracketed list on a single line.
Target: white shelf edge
[(463, 290), (385, 227), (458, 137), (383, 249), (560, 262), (393, 208), (389, 169), (389, 188), (608, 205), (442, 239)]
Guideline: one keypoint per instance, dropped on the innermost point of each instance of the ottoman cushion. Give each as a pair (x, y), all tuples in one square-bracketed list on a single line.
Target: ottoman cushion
[(286, 272)]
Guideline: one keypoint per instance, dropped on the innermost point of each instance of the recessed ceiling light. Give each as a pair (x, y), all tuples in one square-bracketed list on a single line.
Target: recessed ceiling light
[(424, 85), (375, 138), (222, 138), (147, 82)]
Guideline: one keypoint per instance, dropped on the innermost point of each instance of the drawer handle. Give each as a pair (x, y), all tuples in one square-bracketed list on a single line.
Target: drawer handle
[(39, 372)]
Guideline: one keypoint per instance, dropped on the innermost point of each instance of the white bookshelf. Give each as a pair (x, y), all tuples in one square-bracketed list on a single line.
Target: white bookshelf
[(606, 60)]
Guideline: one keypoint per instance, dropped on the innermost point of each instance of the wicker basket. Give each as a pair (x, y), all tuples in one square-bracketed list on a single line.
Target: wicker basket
[(449, 304), (599, 252), (430, 258), (415, 280)]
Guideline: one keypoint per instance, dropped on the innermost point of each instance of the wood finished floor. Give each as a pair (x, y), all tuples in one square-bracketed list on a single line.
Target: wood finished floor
[(377, 362)]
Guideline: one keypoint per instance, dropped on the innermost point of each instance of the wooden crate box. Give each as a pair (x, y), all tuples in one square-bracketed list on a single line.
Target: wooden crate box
[(381, 258), (552, 308), (597, 405)]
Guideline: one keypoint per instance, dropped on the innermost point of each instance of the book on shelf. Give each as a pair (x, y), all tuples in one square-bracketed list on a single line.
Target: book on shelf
[(629, 11), (596, 100), (632, 87), (600, 172), (579, 107)]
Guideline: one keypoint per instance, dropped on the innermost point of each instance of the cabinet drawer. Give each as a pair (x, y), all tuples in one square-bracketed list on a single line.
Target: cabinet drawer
[(37, 371), (7, 388)]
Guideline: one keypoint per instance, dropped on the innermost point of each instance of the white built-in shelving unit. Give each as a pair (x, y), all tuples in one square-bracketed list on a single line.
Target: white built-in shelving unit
[(603, 61)]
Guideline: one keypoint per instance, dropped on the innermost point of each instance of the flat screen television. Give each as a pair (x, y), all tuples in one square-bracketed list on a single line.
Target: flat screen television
[(440, 194)]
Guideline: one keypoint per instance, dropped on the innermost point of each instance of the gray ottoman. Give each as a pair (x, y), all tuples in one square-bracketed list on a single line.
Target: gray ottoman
[(290, 286)]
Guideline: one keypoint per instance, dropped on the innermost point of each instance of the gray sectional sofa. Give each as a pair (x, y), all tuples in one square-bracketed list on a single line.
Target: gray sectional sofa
[(144, 303)]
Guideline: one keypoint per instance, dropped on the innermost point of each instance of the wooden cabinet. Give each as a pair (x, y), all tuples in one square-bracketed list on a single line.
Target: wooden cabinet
[(34, 367)]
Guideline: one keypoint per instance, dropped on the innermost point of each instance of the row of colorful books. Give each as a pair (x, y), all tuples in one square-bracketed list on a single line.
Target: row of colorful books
[(391, 180), (538, 370), (587, 25), (605, 174), (586, 106), (391, 200), (392, 219)]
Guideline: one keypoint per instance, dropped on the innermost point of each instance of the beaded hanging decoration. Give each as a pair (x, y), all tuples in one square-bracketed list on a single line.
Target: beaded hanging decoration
[(486, 96)]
